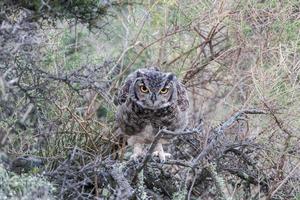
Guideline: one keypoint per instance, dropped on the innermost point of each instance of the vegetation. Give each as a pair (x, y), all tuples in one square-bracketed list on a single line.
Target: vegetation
[(24, 186), (62, 62)]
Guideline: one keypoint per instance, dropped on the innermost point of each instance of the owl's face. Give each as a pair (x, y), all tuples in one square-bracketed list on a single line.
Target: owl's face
[(154, 90)]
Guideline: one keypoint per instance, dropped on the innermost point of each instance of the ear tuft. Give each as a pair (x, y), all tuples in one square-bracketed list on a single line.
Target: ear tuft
[(139, 73), (170, 76), (154, 68)]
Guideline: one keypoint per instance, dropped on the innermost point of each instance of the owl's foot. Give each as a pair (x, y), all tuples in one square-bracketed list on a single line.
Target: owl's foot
[(136, 156), (162, 155), (137, 152), (159, 151)]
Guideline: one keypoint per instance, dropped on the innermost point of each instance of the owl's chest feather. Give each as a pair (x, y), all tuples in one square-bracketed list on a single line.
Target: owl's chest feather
[(159, 117), (144, 112), (133, 118)]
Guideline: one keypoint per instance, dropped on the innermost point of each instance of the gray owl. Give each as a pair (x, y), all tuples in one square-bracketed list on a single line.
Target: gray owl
[(150, 100)]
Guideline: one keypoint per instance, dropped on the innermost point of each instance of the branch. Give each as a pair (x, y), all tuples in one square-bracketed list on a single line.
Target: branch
[(150, 150), (219, 131), (219, 182), (159, 135), (125, 191)]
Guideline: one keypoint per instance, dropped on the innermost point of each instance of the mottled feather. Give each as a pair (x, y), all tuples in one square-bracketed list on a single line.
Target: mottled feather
[(148, 100)]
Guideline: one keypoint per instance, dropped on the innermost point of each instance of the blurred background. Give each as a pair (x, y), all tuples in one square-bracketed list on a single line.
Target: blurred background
[(62, 62)]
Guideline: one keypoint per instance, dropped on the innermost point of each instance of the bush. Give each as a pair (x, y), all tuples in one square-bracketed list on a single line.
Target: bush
[(25, 187)]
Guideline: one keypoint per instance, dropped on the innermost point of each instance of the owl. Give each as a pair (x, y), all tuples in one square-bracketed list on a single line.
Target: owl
[(147, 101)]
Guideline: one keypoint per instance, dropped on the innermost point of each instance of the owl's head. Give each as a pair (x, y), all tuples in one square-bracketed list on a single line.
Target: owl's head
[(153, 89)]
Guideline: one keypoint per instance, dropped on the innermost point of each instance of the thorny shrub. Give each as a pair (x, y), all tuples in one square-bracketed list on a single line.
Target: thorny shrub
[(238, 59)]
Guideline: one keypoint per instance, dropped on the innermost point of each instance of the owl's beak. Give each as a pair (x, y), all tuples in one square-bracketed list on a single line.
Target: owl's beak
[(153, 97)]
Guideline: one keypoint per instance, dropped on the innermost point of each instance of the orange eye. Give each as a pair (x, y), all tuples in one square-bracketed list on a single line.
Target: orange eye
[(144, 89), (164, 90)]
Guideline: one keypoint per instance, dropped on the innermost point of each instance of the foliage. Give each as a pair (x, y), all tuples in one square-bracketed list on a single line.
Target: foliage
[(13, 186), (61, 63), (84, 11)]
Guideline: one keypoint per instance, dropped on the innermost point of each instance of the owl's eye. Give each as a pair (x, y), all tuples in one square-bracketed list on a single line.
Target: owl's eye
[(144, 89), (164, 90)]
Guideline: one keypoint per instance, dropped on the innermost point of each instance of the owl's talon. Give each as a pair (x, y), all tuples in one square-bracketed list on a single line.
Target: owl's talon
[(136, 156), (162, 155), (155, 153), (166, 156)]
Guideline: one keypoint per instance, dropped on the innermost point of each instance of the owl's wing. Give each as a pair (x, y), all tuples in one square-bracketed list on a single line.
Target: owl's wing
[(125, 88), (124, 91), (183, 100)]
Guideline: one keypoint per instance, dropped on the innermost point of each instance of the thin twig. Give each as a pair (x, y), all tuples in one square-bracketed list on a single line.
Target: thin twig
[(285, 180), (219, 182), (150, 150), (156, 139), (219, 131)]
